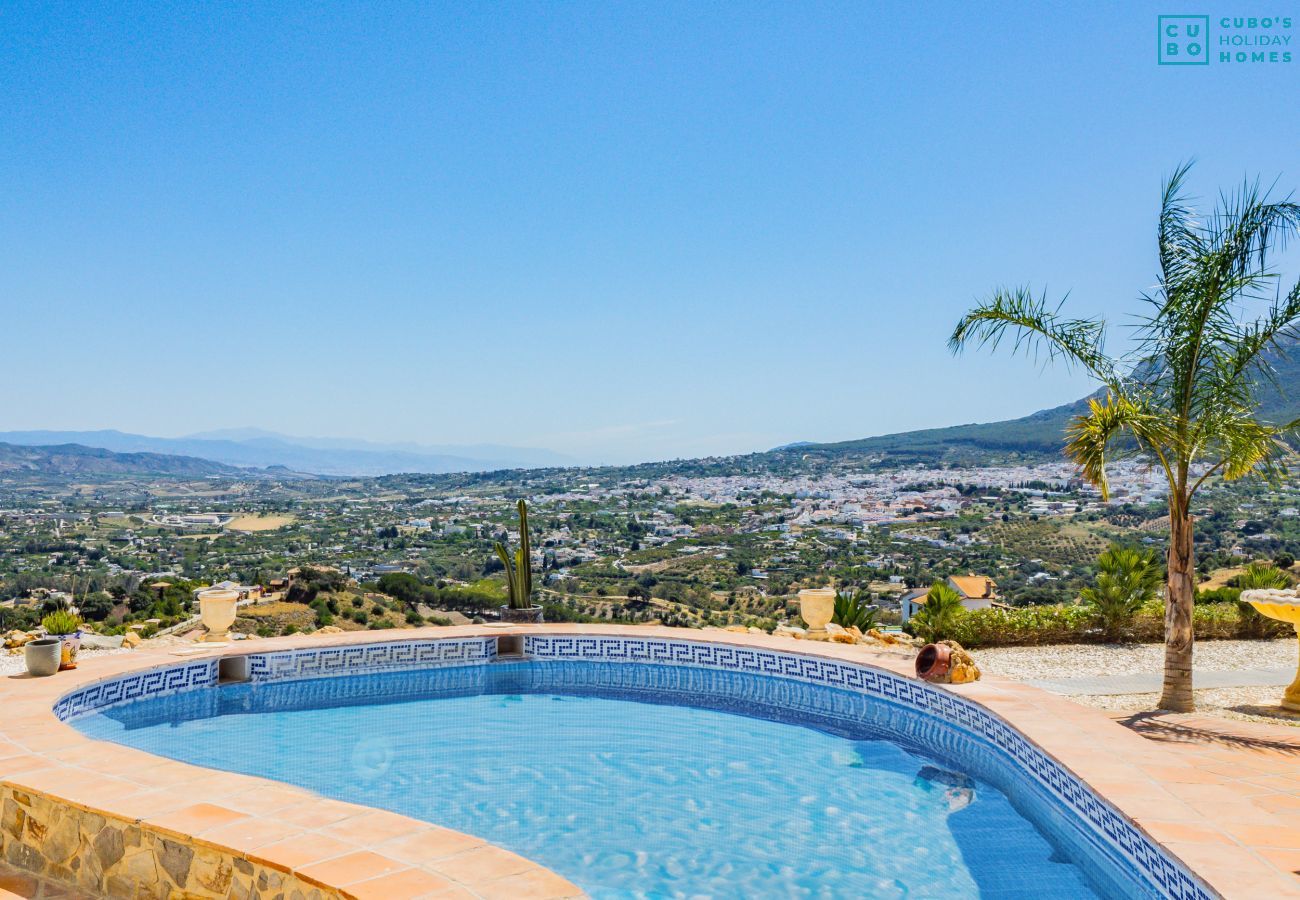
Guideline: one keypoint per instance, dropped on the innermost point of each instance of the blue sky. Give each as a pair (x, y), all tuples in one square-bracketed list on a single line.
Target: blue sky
[(620, 231)]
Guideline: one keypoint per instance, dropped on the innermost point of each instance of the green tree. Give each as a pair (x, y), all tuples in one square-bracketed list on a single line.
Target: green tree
[(1187, 397), (1126, 579), (934, 620)]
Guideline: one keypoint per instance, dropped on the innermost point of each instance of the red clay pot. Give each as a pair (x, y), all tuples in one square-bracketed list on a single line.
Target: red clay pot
[(933, 661)]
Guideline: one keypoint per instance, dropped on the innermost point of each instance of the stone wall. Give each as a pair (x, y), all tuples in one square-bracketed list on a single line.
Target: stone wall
[(109, 856)]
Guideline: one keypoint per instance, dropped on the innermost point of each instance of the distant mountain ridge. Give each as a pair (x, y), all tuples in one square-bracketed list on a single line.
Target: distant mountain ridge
[(255, 448), (1041, 433), (75, 460)]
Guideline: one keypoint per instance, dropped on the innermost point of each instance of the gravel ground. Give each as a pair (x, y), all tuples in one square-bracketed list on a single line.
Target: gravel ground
[(1080, 660), (1249, 704), (1258, 704), (15, 664)]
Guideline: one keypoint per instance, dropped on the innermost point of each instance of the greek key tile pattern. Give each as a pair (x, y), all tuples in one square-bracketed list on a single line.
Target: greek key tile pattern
[(1111, 829), (358, 659), (968, 730), (149, 683)]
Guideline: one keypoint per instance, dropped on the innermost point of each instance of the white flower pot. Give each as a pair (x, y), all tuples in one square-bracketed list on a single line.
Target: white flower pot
[(217, 610)]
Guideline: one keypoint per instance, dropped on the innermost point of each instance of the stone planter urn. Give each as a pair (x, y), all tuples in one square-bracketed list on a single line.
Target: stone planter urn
[(532, 615), (1283, 605), (817, 608), (217, 611), (43, 656)]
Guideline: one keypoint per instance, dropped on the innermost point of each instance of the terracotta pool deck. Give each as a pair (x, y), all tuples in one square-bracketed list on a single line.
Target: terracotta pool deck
[(1225, 800)]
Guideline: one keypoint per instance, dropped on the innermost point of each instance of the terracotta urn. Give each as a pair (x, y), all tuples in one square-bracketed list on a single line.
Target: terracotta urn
[(817, 608), (1283, 605), (217, 611), (933, 662)]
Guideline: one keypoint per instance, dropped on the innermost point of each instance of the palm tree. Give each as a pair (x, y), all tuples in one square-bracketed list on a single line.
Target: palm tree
[(1126, 579), (1187, 397), (934, 620)]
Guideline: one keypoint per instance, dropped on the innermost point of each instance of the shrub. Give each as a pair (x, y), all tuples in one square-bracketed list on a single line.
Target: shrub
[(414, 618), (1126, 580), (60, 622), (854, 611), (1041, 625), (1024, 626), (936, 620), (1258, 576)]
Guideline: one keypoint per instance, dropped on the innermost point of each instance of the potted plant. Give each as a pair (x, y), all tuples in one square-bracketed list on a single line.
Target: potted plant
[(43, 656), (65, 626), (519, 577)]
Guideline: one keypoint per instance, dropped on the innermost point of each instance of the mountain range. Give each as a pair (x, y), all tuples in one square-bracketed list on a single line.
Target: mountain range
[(256, 448), (1041, 433), (73, 460), (250, 451)]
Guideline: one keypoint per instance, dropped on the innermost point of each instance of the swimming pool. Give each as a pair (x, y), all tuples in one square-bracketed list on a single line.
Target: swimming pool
[(630, 775)]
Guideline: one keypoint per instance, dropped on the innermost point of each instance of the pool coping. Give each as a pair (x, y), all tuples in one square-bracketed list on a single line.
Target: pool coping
[(358, 851)]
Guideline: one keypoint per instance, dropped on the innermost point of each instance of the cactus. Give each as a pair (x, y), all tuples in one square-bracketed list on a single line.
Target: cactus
[(519, 571)]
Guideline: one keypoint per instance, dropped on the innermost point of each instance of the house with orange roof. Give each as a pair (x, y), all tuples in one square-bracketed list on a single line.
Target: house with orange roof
[(976, 591)]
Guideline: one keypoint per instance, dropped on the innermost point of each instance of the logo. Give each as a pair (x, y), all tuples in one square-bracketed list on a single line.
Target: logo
[(1184, 41)]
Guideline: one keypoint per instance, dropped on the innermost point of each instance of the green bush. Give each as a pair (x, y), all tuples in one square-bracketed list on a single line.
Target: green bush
[(854, 611), (1042, 625), (1023, 626), (61, 622)]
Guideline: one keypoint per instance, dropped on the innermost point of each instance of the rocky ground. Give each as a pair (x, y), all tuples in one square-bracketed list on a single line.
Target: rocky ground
[(1079, 660), (15, 663)]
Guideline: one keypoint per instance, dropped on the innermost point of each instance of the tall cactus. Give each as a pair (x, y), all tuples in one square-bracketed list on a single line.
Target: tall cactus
[(519, 571)]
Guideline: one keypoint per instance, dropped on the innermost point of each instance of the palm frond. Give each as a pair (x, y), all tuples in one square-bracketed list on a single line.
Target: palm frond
[(1089, 436), (1035, 327)]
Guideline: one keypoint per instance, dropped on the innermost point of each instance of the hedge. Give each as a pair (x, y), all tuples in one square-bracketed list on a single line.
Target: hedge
[(1037, 625)]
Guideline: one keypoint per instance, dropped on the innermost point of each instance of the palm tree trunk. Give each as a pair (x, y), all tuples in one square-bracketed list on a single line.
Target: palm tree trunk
[(1180, 594)]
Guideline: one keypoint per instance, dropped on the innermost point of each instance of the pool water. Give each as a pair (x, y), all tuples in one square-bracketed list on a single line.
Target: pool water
[(628, 789)]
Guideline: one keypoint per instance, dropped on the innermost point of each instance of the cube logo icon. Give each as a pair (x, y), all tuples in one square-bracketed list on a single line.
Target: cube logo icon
[(1184, 40)]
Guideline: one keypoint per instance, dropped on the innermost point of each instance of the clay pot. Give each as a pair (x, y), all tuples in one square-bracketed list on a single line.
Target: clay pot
[(43, 656), (933, 661)]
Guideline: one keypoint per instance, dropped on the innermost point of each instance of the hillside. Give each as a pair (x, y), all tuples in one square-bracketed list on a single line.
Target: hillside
[(74, 460), (1040, 434)]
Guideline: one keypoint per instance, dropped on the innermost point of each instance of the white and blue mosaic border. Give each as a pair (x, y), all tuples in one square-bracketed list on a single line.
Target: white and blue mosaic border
[(1167, 874), (149, 683), (1108, 827), (361, 658)]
